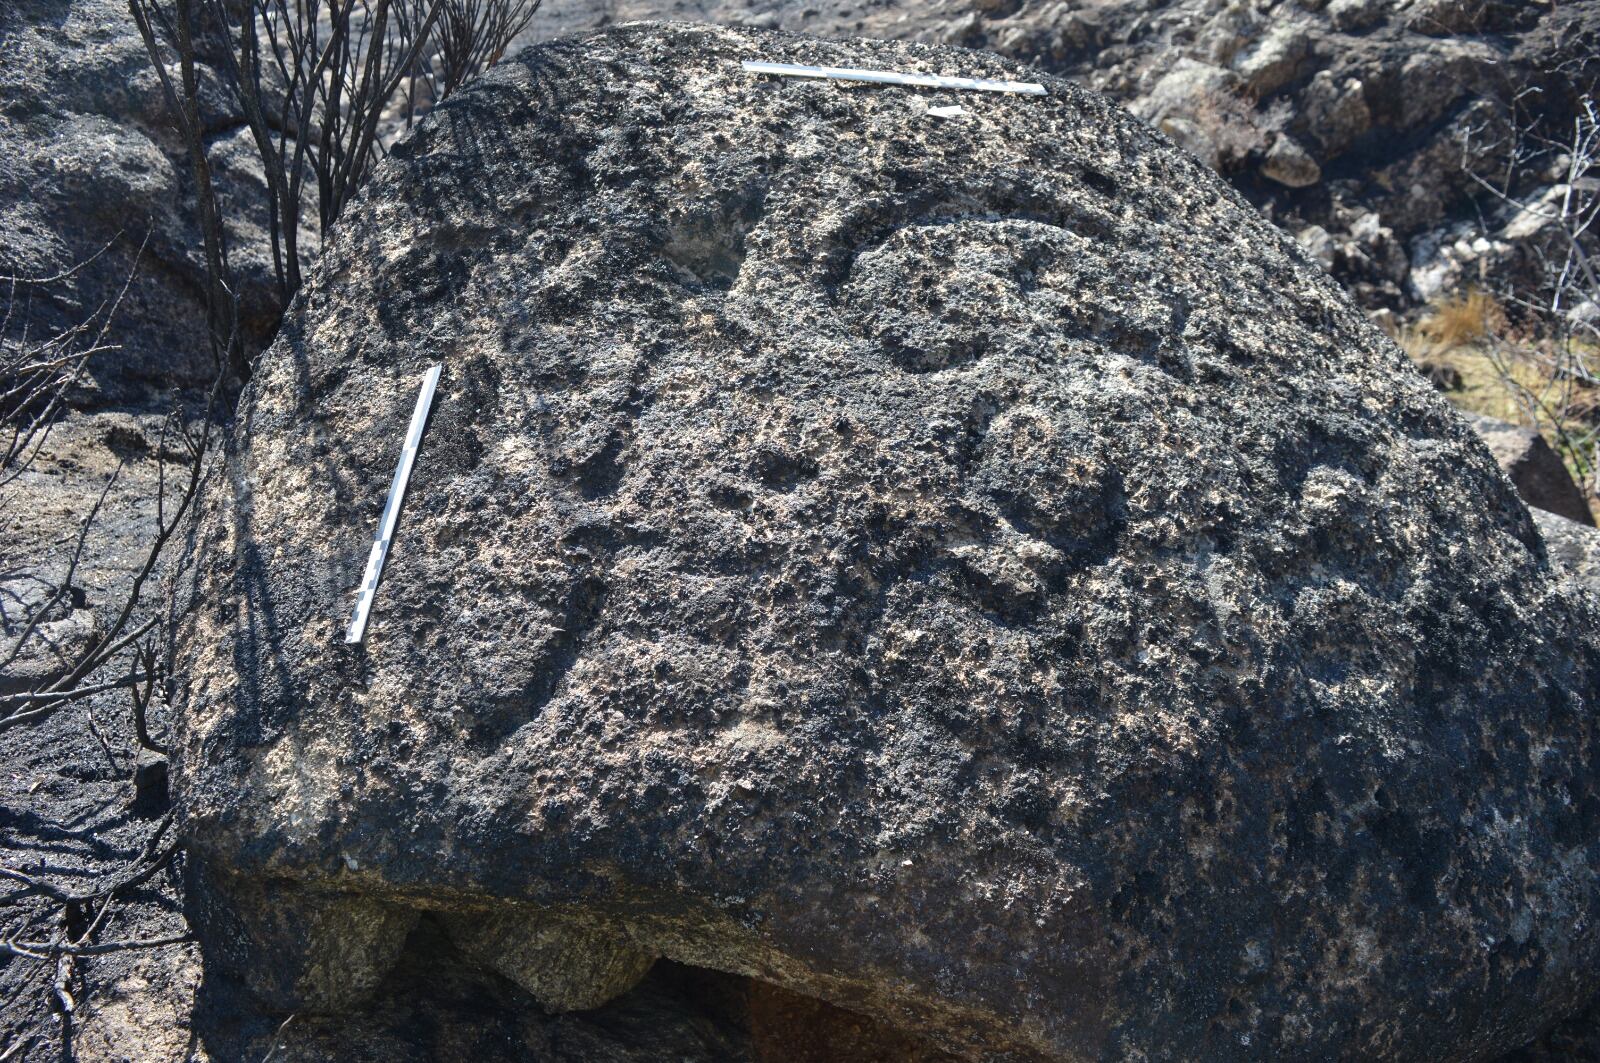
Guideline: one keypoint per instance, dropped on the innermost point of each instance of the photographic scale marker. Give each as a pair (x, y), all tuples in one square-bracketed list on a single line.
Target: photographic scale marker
[(891, 77), (391, 508)]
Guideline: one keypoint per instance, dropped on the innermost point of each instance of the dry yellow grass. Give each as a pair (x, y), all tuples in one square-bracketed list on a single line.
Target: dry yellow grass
[(1457, 322), (1504, 376)]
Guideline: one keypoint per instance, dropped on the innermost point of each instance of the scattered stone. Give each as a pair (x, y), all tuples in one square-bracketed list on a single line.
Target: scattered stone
[(1459, 257), (1441, 375), (150, 796), (1335, 112), (1387, 320), (1446, 17), (1193, 138), (979, 574), (1349, 16), (1574, 548), (330, 951), (1319, 245), (1538, 472), (1585, 316), (61, 634), (1182, 86), (1539, 213), (1275, 59), (1288, 164)]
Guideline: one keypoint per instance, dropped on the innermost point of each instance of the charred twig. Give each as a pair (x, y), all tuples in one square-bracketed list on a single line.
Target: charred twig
[(143, 693), (64, 950), (53, 699), (117, 637), (177, 20), (66, 581), (276, 1044), (472, 36), (72, 695), (43, 950), (314, 78), (34, 886), (100, 739), (1560, 308), (36, 375), (151, 859)]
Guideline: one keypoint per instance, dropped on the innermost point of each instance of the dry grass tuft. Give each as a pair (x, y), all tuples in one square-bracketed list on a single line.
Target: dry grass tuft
[(1457, 322), (1523, 379)]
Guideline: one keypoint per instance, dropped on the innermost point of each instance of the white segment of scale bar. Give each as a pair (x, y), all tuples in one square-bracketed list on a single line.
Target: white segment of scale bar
[(391, 508), (890, 77)]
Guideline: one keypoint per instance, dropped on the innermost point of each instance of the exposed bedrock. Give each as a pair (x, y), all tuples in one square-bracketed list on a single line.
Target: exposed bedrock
[(972, 570)]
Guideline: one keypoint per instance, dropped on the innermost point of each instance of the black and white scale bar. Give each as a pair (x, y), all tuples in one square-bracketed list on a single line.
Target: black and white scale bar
[(391, 508), (891, 77)]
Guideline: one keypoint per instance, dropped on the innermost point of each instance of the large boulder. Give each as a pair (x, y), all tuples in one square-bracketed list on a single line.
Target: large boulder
[(970, 569)]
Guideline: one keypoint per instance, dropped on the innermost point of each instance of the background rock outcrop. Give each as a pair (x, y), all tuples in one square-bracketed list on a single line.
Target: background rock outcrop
[(1536, 470), (97, 196), (1573, 547), (973, 570)]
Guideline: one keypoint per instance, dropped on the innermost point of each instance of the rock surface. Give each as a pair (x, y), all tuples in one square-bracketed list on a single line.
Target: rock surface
[(80, 802), (1349, 115), (973, 571), (1573, 547), (1538, 472)]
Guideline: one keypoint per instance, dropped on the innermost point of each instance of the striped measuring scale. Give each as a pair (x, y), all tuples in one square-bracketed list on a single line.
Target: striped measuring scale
[(391, 508)]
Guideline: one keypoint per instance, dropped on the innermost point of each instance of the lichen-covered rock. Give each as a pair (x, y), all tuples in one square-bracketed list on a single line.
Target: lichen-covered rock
[(973, 570)]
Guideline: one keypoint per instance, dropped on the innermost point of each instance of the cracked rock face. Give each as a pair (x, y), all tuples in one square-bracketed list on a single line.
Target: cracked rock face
[(971, 570)]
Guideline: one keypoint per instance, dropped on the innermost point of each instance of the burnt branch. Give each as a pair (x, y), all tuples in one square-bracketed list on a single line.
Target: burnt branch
[(38, 373)]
